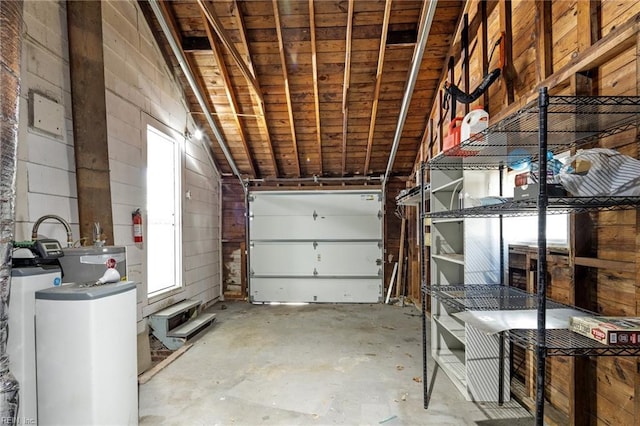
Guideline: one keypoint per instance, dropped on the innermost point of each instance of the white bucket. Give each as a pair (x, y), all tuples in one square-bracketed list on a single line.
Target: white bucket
[(475, 122)]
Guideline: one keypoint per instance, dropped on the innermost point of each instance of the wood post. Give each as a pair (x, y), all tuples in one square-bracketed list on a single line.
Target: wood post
[(86, 63)]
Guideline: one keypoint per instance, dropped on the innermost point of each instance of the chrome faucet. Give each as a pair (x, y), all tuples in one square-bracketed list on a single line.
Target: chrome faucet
[(34, 232)]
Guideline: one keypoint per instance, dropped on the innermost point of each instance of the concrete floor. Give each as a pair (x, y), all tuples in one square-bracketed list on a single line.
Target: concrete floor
[(311, 365)]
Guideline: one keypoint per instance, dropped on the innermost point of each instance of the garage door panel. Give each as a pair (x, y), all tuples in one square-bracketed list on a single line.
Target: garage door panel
[(305, 204), (319, 290), (324, 258), (305, 227), (315, 246)]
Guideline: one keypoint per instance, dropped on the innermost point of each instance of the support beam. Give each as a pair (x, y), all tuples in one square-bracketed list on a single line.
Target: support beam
[(86, 63), (316, 96), (228, 88), (544, 57), (287, 91), (588, 23), (613, 44), (345, 86), (508, 74), (376, 92), (262, 116), (210, 13)]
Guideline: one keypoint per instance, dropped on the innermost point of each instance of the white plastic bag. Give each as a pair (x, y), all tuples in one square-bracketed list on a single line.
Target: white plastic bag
[(610, 174)]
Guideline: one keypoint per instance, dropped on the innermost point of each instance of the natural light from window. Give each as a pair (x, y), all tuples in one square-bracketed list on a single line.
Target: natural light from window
[(162, 241)]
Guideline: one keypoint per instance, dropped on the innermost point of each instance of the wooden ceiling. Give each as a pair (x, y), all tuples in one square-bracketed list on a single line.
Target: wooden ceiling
[(304, 88)]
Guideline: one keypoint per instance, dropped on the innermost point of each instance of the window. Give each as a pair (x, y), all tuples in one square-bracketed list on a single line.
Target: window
[(164, 215)]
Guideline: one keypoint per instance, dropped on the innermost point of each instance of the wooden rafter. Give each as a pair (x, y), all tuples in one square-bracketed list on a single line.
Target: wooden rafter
[(228, 88), (283, 63), (262, 115), (173, 27), (345, 86), (243, 35), (316, 96), (376, 93), (207, 9)]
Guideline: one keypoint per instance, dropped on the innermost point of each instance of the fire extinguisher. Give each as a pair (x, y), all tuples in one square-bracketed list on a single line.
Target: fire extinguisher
[(137, 226)]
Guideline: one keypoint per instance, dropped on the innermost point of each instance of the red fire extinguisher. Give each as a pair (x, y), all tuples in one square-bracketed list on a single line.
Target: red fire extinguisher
[(137, 226)]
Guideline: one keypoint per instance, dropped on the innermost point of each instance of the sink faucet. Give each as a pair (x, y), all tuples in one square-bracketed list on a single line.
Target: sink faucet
[(34, 232)]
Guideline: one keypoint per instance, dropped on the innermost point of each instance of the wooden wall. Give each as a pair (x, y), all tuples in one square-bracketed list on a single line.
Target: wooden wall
[(572, 47), (233, 239)]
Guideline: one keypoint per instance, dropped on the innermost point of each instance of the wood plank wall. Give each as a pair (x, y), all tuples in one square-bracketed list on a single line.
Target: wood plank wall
[(233, 239), (547, 38)]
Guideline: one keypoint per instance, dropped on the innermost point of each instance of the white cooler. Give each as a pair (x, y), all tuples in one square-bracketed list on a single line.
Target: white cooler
[(86, 354)]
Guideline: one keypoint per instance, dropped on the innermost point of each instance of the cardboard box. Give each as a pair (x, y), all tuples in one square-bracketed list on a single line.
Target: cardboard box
[(614, 331)]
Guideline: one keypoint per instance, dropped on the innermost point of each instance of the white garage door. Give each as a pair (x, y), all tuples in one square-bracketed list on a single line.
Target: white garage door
[(315, 246)]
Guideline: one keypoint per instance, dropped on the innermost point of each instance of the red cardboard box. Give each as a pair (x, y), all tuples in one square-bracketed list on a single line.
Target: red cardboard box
[(614, 331)]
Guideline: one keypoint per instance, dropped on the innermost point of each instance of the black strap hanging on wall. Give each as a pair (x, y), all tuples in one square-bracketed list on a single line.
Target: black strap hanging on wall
[(455, 94)]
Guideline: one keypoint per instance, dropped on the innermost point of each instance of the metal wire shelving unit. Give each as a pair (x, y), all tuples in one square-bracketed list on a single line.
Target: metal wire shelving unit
[(555, 124)]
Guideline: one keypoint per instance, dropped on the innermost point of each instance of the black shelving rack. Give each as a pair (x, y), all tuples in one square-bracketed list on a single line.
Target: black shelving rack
[(551, 123)]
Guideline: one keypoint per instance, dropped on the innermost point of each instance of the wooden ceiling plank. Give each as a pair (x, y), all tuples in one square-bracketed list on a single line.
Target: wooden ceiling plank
[(376, 94), (345, 86), (207, 9), (316, 95), (283, 62), (228, 87)]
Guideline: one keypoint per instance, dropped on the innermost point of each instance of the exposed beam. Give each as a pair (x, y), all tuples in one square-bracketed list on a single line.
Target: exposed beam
[(316, 96), (588, 23), (262, 116), (243, 35), (86, 64), (228, 88), (210, 13), (508, 74), (169, 28), (287, 91), (613, 44), (376, 92), (544, 58), (345, 86)]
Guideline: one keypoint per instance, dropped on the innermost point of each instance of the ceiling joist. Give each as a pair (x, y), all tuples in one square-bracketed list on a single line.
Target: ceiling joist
[(228, 87), (262, 116), (316, 95), (376, 93), (207, 9), (283, 64), (345, 86)]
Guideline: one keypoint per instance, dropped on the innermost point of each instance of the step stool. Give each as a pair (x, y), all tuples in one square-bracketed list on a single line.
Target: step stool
[(174, 325)]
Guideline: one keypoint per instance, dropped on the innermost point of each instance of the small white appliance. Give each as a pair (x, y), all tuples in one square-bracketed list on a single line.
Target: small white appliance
[(86, 354), (34, 267), (25, 281)]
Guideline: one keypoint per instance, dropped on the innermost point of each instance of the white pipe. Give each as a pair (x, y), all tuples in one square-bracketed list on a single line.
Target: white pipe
[(408, 93), (391, 281), (177, 51)]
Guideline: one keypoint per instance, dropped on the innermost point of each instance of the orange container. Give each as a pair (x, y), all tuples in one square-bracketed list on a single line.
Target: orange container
[(452, 140)]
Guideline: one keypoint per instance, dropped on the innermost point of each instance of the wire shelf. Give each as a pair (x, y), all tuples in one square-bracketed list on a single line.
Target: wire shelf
[(564, 342), (572, 121), (488, 297), (556, 205)]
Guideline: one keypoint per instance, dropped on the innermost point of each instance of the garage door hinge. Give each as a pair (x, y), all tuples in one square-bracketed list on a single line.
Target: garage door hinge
[(252, 273), (252, 245), (315, 272), (315, 215), (380, 272), (251, 198), (379, 197), (378, 262), (315, 245), (379, 214), (379, 244)]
